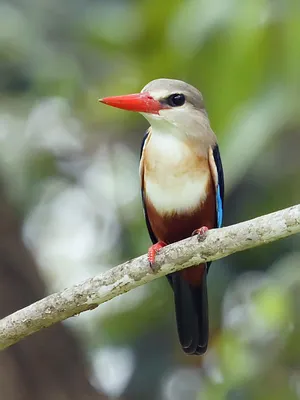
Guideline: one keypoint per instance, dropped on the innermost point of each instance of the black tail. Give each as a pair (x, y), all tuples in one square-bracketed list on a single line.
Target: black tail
[(191, 307)]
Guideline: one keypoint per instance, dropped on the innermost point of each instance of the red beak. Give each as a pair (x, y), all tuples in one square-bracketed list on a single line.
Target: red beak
[(140, 102)]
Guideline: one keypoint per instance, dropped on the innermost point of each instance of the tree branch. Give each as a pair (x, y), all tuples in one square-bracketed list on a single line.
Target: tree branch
[(216, 244)]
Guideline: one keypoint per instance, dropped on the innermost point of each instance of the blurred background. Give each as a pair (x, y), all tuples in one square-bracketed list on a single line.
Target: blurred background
[(70, 203)]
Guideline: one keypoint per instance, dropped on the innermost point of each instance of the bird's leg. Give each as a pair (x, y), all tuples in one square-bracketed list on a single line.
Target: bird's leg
[(200, 232), (153, 250)]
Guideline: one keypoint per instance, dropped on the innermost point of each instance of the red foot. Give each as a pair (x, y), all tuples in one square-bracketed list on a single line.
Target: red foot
[(200, 232), (153, 251)]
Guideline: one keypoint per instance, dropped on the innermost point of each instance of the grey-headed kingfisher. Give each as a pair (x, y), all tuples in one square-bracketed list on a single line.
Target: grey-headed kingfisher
[(182, 187)]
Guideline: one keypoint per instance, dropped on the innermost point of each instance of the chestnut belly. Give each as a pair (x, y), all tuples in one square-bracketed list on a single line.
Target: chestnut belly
[(172, 227)]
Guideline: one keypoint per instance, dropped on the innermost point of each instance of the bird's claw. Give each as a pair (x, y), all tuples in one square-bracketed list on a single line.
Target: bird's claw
[(200, 232), (153, 250)]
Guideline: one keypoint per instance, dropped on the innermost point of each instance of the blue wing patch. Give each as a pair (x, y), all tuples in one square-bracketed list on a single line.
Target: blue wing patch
[(220, 186), (219, 208)]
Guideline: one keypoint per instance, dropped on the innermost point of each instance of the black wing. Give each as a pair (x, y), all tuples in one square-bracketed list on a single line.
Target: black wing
[(219, 186), (150, 231)]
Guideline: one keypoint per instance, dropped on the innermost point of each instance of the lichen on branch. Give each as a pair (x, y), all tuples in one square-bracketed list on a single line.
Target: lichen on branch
[(217, 243)]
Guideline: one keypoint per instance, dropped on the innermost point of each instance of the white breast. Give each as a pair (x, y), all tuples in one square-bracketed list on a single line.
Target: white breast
[(174, 179)]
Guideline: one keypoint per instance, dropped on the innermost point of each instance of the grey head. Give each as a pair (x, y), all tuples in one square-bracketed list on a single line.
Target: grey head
[(162, 89), (183, 113)]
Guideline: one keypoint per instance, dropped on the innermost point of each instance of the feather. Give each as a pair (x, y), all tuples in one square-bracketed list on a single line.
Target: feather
[(144, 141), (218, 177), (190, 285)]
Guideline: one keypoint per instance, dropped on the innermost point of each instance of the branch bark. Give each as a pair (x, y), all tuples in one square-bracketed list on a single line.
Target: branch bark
[(216, 244)]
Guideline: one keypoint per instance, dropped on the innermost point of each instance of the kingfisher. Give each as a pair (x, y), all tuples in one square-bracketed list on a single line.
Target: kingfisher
[(182, 188)]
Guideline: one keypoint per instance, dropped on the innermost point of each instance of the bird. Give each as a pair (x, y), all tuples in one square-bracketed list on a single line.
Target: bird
[(182, 189)]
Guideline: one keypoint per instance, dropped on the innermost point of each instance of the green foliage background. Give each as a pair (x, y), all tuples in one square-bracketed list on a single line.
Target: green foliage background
[(70, 167)]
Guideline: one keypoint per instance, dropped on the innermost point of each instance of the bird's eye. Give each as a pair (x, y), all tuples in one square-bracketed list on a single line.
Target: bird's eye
[(176, 100)]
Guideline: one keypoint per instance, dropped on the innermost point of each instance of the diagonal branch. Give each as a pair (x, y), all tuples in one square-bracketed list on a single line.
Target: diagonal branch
[(89, 294)]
